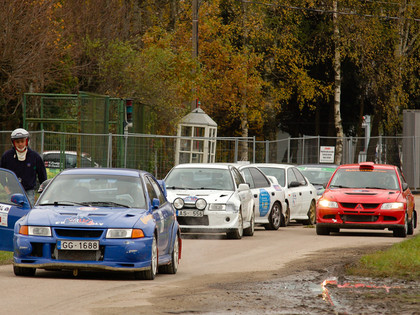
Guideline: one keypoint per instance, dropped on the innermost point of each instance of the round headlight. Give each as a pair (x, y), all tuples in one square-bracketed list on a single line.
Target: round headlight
[(178, 203), (200, 204)]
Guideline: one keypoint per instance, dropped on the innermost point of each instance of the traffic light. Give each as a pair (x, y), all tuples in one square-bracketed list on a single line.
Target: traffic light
[(129, 112)]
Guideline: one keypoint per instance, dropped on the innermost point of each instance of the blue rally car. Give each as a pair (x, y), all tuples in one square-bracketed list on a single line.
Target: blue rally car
[(91, 219)]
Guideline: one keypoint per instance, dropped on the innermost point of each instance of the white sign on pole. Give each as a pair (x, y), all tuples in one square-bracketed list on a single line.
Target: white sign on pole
[(326, 154)]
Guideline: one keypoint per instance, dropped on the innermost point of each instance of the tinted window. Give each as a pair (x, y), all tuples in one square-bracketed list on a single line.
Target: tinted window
[(278, 173), (237, 177), (259, 179), (157, 190), (300, 178), (291, 177), (248, 177)]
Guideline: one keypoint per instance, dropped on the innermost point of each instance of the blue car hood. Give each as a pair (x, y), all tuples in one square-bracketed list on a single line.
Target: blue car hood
[(99, 217)]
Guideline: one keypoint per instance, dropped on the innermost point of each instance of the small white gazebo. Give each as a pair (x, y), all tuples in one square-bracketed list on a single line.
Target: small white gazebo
[(196, 142)]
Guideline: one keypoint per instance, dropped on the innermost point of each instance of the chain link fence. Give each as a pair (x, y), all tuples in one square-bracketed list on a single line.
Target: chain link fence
[(156, 153)]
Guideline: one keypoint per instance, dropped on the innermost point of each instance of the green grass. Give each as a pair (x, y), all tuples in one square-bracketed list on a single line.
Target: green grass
[(6, 258), (401, 260)]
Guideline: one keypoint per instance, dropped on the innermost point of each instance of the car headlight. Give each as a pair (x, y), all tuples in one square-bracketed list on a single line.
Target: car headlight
[(124, 233), (201, 204), (217, 207), (33, 230), (325, 203), (178, 203), (392, 206)]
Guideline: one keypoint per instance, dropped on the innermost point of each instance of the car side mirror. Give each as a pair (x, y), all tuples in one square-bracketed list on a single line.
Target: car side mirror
[(294, 184), (404, 186), (155, 203), (20, 200), (243, 187), (325, 184)]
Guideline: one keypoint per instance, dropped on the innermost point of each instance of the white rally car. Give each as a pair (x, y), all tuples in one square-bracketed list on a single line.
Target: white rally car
[(300, 194), (270, 203), (211, 198)]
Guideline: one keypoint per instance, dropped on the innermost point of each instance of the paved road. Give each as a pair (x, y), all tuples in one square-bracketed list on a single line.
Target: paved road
[(202, 260)]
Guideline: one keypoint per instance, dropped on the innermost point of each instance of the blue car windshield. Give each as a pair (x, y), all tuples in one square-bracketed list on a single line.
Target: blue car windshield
[(98, 190)]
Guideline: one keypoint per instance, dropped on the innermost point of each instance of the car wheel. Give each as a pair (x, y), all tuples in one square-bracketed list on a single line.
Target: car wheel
[(237, 234), (249, 231), (322, 230), (275, 218), (25, 272), (311, 214), (402, 231), (172, 268), (150, 273), (286, 217), (410, 228)]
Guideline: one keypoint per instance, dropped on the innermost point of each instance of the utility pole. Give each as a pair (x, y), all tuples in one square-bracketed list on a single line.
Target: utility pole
[(194, 46)]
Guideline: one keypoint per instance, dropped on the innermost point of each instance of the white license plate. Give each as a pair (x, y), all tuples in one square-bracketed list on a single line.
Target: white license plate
[(78, 245), (190, 213)]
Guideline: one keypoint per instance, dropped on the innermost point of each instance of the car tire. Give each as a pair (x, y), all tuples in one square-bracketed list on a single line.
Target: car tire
[(410, 228), (275, 218), (322, 230), (286, 217), (311, 214), (23, 271), (150, 273), (239, 232), (172, 268), (402, 231), (249, 231)]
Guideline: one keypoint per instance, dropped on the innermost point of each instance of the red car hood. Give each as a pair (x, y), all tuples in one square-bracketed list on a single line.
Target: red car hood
[(362, 195)]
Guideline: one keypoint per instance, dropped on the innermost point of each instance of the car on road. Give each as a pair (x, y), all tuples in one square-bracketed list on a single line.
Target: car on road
[(93, 219), (55, 161), (211, 198), (300, 194), (318, 174), (269, 200), (367, 196)]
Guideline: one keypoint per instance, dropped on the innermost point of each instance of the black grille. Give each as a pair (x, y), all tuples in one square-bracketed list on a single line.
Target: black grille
[(204, 220), (352, 205), (359, 218), (79, 233), (79, 255)]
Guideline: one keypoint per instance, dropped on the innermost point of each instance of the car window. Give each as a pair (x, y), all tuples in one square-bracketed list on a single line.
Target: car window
[(291, 177), (157, 191), (248, 177), (374, 179), (260, 180), (7, 179), (277, 172), (300, 178), (199, 178), (237, 177)]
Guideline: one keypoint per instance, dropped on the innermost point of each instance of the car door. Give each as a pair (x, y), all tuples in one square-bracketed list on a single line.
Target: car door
[(261, 189), (163, 214), (10, 212), (245, 196), (305, 193)]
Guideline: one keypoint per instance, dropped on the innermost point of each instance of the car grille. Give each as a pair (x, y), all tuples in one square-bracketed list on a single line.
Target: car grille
[(204, 220), (79, 233), (353, 205), (359, 218), (79, 255)]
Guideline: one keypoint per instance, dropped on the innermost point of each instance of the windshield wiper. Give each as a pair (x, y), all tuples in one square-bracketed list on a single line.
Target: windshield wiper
[(64, 203), (108, 203)]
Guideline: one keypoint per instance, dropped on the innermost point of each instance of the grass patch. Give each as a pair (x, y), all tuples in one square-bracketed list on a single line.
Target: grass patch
[(401, 260), (6, 258)]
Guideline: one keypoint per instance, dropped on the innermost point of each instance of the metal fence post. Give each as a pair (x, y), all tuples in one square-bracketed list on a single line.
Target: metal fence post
[(288, 150), (267, 151), (253, 149), (109, 155), (236, 151)]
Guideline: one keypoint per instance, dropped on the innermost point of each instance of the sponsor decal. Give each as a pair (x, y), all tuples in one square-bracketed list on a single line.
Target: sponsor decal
[(4, 214), (190, 199), (264, 202), (79, 220)]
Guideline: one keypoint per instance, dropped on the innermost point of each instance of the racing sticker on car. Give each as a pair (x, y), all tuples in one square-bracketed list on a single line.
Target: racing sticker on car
[(4, 214), (264, 202)]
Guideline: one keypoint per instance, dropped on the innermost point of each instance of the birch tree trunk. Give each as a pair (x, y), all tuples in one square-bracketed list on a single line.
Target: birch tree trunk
[(337, 89)]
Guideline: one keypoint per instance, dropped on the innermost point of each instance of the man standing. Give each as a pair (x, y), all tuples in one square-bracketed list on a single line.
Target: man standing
[(24, 162)]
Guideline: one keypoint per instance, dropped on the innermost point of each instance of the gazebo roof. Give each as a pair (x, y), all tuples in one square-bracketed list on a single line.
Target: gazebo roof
[(198, 117)]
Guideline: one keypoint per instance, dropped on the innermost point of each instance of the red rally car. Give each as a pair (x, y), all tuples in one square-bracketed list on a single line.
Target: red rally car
[(366, 196)]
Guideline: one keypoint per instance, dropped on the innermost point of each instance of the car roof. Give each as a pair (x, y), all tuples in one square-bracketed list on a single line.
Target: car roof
[(204, 165), (65, 152), (275, 165), (103, 171), (318, 165), (369, 164)]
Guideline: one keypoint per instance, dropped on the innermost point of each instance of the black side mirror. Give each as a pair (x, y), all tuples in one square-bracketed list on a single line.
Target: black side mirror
[(294, 184)]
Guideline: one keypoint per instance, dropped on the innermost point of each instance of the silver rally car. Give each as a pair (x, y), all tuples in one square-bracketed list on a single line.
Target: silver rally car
[(211, 198)]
